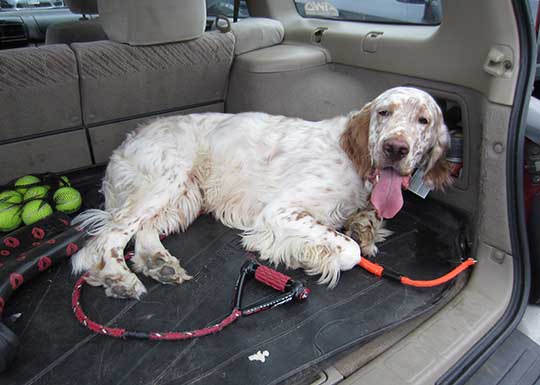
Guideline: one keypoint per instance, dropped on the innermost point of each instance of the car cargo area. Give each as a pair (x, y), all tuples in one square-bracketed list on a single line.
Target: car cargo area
[(427, 242), (68, 101)]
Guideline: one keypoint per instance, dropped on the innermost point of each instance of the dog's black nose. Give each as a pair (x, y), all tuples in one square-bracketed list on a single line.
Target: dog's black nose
[(395, 149)]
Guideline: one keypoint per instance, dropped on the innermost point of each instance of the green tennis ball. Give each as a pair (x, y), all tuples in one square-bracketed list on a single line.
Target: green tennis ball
[(25, 181), (67, 199), (64, 181), (10, 196), (36, 210), (10, 216), (37, 192)]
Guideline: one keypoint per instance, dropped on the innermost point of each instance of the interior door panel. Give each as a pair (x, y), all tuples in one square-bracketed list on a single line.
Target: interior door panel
[(430, 52)]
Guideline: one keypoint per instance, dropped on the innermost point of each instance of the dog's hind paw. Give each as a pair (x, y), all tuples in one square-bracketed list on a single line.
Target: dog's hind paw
[(166, 269), (123, 286)]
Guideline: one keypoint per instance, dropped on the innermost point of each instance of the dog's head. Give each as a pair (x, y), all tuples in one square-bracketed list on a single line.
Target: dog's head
[(399, 131)]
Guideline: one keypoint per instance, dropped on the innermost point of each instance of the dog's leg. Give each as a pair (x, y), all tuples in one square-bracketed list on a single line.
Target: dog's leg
[(111, 270), (366, 228), (152, 258), (152, 182), (293, 237), (155, 205)]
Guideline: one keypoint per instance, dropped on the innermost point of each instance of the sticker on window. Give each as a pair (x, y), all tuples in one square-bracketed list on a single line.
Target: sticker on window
[(320, 8)]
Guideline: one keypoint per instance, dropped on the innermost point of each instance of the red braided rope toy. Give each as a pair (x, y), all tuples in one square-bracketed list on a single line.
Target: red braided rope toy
[(292, 291)]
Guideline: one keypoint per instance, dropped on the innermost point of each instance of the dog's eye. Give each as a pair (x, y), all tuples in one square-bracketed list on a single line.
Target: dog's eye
[(384, 113), (423, 120)]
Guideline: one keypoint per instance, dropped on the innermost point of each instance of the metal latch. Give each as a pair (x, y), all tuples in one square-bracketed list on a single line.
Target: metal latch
[(499, 61), (317, 35), (370, 42)]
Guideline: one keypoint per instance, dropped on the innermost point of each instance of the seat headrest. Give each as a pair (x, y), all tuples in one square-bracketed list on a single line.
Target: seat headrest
[(255, 33), (147, 22), (87, 7)]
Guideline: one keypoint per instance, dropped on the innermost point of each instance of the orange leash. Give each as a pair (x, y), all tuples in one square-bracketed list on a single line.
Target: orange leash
[(380, 271)]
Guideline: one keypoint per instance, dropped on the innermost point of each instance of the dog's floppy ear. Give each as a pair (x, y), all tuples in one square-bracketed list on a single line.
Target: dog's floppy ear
[(437, 170), (354, 141)]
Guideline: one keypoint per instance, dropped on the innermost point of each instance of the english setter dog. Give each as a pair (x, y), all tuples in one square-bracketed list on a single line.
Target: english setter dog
[(287, 183)]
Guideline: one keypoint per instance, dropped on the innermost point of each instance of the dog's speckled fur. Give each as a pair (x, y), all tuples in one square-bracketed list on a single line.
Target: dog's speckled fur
[(287, 183)]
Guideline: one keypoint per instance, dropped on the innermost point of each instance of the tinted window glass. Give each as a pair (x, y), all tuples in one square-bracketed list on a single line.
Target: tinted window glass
[(424, 12), (26, 4), (225, 8)]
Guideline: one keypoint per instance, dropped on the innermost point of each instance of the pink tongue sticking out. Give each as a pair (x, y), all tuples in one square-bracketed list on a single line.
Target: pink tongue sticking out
[(386, 194)]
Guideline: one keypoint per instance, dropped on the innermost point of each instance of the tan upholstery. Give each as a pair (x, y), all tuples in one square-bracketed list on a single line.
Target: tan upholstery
[(281, 58), (40, 114), (137, 22), (39, 91), (256, 33), (119, 81)]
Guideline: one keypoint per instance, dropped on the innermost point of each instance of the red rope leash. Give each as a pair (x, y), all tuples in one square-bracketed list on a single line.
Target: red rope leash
[(123, 333), (380, 271), (292, 291)]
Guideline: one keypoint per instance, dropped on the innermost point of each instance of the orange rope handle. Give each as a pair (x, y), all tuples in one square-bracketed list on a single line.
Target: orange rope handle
[(378, 270), (373, 268), (439, 281)]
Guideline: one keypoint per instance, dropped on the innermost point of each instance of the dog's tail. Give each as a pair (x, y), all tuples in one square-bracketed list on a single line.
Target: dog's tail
[(92, 221)]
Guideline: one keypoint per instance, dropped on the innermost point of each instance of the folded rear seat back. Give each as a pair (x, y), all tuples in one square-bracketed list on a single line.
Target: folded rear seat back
[(40, 114), (273, 75), (120, 81), (159, 60)]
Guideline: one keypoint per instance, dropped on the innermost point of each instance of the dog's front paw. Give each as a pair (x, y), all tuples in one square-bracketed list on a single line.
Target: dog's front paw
[(330, 260), (132, 289), (348, 255), (369, 249), (366, 229)]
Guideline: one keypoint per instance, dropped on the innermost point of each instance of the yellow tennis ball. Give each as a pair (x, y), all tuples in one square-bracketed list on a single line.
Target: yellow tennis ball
[(37, 192), (25, 181), (64, 181), (10, 216), (34, 211), (10, 196), (67, 199)]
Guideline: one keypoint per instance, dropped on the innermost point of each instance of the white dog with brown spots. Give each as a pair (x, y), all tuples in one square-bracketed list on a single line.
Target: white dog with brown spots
[(289, 184)]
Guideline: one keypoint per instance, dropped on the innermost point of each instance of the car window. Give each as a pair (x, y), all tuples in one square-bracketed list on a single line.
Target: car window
[(25, 4), (225, 8), (422, 12)]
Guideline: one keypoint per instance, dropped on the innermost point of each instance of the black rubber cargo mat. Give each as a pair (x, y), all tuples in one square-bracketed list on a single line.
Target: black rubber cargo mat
[(56, 349)]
